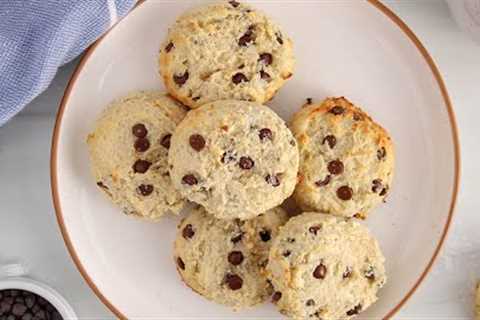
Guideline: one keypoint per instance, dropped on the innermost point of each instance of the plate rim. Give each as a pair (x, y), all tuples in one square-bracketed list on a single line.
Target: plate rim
[(376, 4)]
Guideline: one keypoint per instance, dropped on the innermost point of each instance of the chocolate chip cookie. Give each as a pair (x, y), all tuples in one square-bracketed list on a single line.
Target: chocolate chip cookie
[(235, 158), (129, 149), (346, 159), (226, 50), (324, 267), (224, 261)]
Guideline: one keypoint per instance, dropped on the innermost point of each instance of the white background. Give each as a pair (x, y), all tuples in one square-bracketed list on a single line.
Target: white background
[(29, 232)]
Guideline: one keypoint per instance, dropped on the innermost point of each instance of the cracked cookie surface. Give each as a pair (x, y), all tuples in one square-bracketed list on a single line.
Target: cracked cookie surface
[(346, 159), (324, 267), (224, 261), (129, 152), (226, 50), (235, 158)]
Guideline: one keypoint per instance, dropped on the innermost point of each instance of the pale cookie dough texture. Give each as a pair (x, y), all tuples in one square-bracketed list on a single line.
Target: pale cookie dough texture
[(224, 261), (223, 51), (235, 158), (129, 152), (324, 267), (346, 159)]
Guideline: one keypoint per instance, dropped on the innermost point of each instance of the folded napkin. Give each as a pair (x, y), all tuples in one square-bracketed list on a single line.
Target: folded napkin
[(39, 36)]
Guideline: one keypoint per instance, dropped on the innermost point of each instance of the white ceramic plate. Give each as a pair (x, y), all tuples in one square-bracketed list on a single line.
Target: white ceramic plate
[(358, 49)]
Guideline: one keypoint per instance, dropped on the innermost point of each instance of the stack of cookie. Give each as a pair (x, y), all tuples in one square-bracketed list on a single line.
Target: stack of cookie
[(211, 141)]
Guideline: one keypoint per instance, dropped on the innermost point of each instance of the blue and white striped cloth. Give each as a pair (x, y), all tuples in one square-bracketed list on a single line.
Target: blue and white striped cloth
[(39, 36)]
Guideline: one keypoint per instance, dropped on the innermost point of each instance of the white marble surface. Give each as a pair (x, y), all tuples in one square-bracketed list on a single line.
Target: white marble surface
[(29, 232)]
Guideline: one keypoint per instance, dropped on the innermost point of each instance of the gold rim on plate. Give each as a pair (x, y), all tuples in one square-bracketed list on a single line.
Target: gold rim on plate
[(382, 8)]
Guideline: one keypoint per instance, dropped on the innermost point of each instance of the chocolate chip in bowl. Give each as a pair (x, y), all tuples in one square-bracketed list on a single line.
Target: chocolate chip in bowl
[(22, 298), (25, 305)]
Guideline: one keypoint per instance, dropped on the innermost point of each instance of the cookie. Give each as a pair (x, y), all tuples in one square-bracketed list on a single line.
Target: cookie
[(477, 301), (223, 51), (324, 267), (129, 152), (224, 261), (346, 159), (235, 158)]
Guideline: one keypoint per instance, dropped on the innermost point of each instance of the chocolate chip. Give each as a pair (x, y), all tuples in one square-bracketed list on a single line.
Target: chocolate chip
[(237, 238), (276, 296), (235, 257), (347, 273), (141, 144), (324, 182), (139, 130), (331, 140), (359, 215), (310, 302), (30, 300), (238, 78), (180, 263), (273, 180), (293, 143), (370, 274), (357, 116), (247, 37), (40, 315), (228, 156), (265, 133), (309, 100), (320, 271), (141, 166), (279, 38), (233, 281), (355, 310), (384, 191), (145, 189), (102, 185), (381, 153), (165, 142), (265, 76), (335, 167), (246, 163), (337, 110), (189, 179), (196, 98), (287, 253), (265, 235), (188, 232), (42, 301), (234, 3), (266, 58), (197, 142), (345, 193), (290, 240), (377, 185), (29, 316), (169, 47), (181, 78), (314, 229), (19, 309)]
